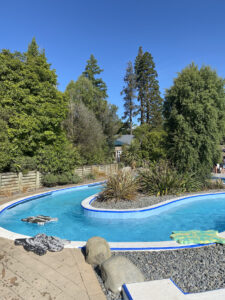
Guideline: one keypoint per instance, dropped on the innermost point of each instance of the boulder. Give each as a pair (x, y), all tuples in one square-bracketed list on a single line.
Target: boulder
[(97, 250), (118, 270)]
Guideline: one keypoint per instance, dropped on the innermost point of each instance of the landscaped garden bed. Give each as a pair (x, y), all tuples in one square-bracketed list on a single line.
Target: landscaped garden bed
[(193, 270)]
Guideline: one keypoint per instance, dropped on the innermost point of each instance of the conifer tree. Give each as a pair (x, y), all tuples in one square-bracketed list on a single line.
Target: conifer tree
[(129, 95), (148, 90), (140, 83), (91, 70)]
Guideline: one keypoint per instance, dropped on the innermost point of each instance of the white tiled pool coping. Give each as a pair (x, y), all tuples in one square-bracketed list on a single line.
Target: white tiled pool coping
[(165, 289), (116, 246)]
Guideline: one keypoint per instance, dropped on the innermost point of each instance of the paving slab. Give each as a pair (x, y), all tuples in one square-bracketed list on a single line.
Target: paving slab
[(54, 276)]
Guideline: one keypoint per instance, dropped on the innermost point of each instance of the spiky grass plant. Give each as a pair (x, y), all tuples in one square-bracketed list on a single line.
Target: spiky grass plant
[(121, 185), (162, 178)]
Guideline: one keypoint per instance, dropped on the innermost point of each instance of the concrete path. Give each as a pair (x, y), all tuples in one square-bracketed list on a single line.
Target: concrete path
[(54, 276), (165, 290)]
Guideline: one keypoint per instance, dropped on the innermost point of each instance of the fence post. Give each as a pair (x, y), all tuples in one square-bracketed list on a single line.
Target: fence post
[(20, 181), (37, 183)]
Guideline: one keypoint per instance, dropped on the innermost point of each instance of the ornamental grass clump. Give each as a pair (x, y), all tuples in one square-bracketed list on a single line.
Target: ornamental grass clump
[(162, 178), (122, 185)]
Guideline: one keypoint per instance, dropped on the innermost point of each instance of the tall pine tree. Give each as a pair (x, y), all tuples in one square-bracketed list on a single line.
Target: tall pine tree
[(91, 70), (148, 90), (129, 95), (140, 83)]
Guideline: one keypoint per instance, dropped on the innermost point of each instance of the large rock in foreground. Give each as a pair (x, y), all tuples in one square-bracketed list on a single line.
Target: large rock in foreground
[(118, 270), (97, 250)]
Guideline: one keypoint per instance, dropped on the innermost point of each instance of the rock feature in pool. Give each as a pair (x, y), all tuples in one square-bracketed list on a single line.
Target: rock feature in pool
[(40, 220)]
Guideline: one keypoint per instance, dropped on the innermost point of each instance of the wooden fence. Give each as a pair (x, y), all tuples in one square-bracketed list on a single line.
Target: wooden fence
[(11, 183)]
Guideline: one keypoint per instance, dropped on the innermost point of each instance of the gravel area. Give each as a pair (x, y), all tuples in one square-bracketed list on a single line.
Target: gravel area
[(142, 201), (193, 270)]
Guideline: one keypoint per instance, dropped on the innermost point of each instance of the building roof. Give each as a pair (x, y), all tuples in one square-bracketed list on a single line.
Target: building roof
[(125, 139)]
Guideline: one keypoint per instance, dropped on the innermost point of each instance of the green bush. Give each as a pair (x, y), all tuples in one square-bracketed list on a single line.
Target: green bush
[(49, 180), (121, 185), (23, 164), (75, 179), (63, 179), (162, 179), (214, 184), (90, 176)]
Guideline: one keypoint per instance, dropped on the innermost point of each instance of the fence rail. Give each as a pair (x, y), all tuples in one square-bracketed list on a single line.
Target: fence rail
[(11, 183)]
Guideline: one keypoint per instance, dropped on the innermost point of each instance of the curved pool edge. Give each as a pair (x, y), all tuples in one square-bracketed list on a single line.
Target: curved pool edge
[(115, 246), (134, 213)]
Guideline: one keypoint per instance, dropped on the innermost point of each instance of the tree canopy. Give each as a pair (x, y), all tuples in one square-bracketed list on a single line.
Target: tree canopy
[(148, 89), (130, 108), (194, 112), (33, 107)]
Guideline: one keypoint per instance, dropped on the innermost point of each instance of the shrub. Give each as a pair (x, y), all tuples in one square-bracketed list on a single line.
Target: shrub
[(162, 179), (63, 179), (90, 176), (68, 178), (214, 184), (75, 179), (49, 180), (121, 185), (23, 164)]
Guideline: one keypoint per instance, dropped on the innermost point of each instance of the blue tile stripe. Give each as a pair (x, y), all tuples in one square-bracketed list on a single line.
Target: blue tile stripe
[(127, 292), (48, 193), (178, 287), (159, 248), (146, 209)]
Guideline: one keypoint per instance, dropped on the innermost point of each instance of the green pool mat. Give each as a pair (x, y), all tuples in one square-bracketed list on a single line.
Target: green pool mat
[(197, 237)]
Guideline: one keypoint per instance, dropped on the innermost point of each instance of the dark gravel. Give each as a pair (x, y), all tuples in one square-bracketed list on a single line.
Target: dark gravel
[(193, 270), (141, 201)]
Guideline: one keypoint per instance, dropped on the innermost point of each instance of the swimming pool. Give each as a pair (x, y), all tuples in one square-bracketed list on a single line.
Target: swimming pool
[(202, 212)]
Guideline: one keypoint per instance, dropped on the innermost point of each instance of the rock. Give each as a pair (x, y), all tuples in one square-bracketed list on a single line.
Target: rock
[(118, 270), (97, 250), (41, 243), (40, 220)]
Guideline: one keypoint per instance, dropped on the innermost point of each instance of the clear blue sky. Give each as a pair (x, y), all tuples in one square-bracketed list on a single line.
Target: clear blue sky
[(175, 32)]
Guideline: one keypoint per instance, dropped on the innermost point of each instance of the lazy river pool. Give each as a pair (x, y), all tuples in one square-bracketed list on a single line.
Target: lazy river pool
[(202, 212)]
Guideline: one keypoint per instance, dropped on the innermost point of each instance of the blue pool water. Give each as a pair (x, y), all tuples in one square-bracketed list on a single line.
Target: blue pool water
[(203, 212)]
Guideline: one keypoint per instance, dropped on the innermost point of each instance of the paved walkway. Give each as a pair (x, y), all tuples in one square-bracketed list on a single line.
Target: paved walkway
[(54, 276)]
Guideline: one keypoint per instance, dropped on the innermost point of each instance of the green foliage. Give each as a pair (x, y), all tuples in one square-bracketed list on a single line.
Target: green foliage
[(148, 145), (194, 111), (91, 70), (57, 158), (91, 122), (148, 89), (162, 178), (50, 180), (6, 147), (85, 132), (120, 186), (23, 164), (129, 95), (90, 176), (34, 110), (214, 184)]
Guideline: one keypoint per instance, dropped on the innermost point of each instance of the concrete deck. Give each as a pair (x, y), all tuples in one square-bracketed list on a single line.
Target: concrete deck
[(165, 289), (54, 276)]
